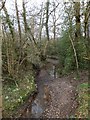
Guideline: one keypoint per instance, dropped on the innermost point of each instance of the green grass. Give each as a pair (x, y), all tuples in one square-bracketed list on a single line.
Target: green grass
[(14, 96), (84, 97)]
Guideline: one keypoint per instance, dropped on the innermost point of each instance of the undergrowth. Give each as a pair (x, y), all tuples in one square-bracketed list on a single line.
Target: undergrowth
[(15, 95), (83, 98)]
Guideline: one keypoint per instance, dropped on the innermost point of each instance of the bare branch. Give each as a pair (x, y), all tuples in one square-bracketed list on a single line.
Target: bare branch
[(3, 3)]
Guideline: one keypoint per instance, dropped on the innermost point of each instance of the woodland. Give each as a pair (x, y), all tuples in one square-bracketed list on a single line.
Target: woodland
[(45, 54)]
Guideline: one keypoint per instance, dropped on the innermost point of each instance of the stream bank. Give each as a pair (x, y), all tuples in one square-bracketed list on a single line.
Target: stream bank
[(63, 94)]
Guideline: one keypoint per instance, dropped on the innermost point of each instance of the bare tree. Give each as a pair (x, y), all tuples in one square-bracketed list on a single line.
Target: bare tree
[(55, 18), (54, 22), (47, 19), (26, 27), (41, 24), (19, 30), (9, 22), (77, 16), (24, 17), (18, 20)]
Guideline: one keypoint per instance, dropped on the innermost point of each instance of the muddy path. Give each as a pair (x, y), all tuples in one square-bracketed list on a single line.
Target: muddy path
[(63, 95)]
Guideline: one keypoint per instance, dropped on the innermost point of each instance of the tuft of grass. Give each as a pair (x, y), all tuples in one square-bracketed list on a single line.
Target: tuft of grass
[(83, 99), (14, 96)]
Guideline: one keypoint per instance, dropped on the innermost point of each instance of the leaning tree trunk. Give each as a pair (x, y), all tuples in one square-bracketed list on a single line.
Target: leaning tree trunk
[(77, 30)]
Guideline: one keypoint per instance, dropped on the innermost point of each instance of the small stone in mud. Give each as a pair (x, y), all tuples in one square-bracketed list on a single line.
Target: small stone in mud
[(36, 110)]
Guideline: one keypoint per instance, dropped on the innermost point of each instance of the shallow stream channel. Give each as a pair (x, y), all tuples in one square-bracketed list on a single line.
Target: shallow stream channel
[(45, 77), (56, 97)]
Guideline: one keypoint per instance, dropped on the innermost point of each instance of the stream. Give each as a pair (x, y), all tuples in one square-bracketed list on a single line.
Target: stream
[(35, 105), (62, 101), (45, 77)]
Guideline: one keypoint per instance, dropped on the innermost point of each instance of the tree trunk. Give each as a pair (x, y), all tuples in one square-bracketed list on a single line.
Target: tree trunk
[(77, 16), (0, 67), (47, 18), (11, 43), (24, 16), (20, 36), (18, 20), (54, 22), (8, 21), (88, 39)]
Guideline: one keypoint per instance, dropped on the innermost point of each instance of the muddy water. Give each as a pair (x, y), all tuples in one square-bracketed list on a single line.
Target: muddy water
[(45, 77), (53, 72), (37, 109)]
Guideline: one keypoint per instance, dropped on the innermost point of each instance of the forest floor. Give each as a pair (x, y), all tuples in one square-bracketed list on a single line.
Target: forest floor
[(63, 95)]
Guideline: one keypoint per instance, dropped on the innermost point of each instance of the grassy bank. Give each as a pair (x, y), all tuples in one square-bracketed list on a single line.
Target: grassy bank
[(14, 95), (83, 98)]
